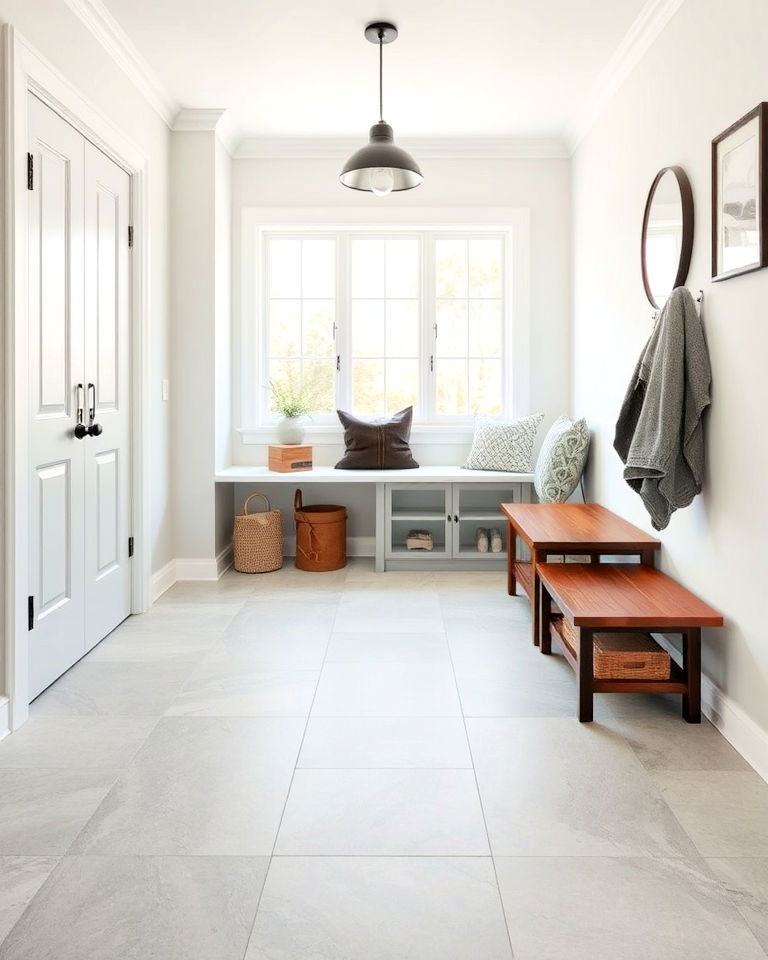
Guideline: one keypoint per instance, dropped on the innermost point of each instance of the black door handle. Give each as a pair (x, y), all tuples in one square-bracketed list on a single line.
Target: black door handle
[(81, 430), (94, 429)]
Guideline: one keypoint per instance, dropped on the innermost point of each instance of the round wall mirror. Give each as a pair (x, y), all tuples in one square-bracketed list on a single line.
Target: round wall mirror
[(667, 234)]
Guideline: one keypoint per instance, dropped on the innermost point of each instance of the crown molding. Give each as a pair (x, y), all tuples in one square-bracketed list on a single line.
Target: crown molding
[(650, 22), (95, 16), (454, 148), (208, 120)]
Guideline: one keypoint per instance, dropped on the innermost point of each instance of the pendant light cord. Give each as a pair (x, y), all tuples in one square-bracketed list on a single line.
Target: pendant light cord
[(381, 75)]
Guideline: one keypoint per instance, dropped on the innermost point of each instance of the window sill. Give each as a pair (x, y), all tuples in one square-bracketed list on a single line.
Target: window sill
[(317, 434)]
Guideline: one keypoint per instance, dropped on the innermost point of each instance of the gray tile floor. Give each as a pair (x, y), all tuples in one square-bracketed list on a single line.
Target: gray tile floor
[(352, 766)]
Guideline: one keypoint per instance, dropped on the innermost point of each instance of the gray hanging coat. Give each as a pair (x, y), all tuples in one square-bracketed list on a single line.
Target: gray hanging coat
[(659, 433)]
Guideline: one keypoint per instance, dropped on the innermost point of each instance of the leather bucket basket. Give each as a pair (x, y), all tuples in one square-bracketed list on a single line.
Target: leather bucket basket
[(321, 536)]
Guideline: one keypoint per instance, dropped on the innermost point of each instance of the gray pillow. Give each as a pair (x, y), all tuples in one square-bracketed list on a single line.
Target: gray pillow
[(378, 444), (561, 460), (503, 446)]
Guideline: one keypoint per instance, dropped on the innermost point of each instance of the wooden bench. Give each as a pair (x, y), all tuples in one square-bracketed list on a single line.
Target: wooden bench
[(623, 597), (567, 528)]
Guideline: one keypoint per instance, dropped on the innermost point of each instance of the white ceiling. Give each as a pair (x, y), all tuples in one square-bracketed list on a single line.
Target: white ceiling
[(460, 68)]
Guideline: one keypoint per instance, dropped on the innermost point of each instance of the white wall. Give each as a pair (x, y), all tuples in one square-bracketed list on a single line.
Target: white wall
[(705, 71), (541, 185), (201, 285)]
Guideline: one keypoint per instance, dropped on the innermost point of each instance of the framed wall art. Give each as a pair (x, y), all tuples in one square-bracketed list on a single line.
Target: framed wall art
[(740, 196)]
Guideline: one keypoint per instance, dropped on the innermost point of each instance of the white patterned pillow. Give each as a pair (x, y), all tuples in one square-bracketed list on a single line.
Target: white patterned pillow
[(561, 460), (503, 446)]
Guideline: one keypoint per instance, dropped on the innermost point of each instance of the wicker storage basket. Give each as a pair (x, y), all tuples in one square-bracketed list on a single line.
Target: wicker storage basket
[(622, 656), (321, 536), (258, 539)]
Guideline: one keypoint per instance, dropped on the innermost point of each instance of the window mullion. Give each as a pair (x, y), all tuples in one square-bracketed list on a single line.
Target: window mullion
[(428, 360), (343, 321)]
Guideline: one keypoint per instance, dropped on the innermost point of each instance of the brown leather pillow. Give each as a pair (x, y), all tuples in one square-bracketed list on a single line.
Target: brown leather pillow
[(378, 444)]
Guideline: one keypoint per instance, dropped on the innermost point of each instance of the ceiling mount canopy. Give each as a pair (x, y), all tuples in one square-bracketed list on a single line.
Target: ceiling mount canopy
[(381, 167)]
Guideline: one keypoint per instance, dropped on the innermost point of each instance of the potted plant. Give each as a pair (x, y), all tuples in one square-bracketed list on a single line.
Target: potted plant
[(293, 400)]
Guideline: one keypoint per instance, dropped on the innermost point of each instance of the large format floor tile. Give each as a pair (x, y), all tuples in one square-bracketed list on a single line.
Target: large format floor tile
[(227, 683), (113, 689), (106, 743), (385, 742), (20, 879), (360, 908), (43, 810), (694, 746), (554, 787), (406, 611), (386, 690), (746, 882), (387, 648), (200, 786), (725, 812), (383, 813), (136, 908), (622, 907), (330, 732)]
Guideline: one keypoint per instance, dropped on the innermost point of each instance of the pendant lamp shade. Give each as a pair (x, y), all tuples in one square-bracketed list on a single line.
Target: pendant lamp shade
[(381, 167), (379, 157)]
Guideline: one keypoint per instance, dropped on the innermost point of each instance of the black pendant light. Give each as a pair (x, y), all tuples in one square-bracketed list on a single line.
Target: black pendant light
[(381, 167)]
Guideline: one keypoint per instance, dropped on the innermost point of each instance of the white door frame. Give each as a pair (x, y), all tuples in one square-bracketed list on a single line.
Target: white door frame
[(26, 71)]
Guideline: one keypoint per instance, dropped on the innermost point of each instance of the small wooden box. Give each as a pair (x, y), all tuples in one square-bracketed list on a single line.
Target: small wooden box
[(289, 458)]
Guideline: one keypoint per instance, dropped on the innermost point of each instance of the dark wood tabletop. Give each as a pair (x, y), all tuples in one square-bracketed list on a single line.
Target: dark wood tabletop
[(624, 595), (553, 526)]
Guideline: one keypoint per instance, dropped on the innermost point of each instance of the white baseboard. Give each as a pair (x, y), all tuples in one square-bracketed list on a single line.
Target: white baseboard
[(739, 730), (356, 546), (5, 717), (189, 569), (162, 580), (224, 560)]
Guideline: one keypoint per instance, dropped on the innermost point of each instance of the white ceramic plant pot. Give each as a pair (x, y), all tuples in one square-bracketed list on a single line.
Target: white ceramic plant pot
[(290, 430)]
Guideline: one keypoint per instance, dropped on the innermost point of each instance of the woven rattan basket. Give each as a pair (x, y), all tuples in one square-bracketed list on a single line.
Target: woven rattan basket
[(622, 656), (258, 539)]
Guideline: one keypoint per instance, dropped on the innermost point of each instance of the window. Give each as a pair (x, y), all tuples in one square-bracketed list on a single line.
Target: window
[(374, 321)]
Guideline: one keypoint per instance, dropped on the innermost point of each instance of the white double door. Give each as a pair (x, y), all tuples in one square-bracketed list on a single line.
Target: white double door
[(79, 379)]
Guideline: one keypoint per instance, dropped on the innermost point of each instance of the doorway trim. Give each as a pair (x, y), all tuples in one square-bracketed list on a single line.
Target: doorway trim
[(26, 71)]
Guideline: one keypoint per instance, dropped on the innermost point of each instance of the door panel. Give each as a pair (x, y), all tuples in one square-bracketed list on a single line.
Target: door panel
[(107, 359), (53, 501), (57, 526), (107, 513)]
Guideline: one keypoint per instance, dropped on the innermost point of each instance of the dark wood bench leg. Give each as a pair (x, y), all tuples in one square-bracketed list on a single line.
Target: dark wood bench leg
[(511, 557), (545, 615), (535, 599), (692, 668), (586, 675)]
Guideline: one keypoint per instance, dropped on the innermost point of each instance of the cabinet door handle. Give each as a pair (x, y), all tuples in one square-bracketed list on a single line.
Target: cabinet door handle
[(455, 518)]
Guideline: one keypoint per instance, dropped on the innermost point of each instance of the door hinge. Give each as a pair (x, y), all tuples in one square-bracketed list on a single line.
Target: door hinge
[(130, 236), (432, 363), (31, 613), (338, 362), (30, 172), (130, 546)]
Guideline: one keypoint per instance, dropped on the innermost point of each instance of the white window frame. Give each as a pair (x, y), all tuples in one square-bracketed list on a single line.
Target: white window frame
[(250, 353)]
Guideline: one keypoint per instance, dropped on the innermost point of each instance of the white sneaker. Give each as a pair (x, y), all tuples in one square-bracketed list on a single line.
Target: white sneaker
[(481, 539), (495, 537)]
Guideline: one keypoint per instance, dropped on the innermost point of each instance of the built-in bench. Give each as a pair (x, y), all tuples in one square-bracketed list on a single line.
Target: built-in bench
[(448, 501)]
